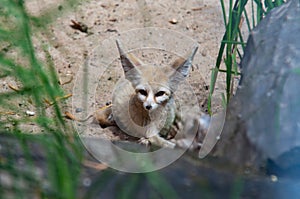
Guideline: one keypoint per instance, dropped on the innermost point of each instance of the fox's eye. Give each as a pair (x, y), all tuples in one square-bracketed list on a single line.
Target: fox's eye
[(143, 92), (160, 93)]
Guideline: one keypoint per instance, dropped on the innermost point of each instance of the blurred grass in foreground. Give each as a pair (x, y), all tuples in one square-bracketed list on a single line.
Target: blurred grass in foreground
[(60, 150)]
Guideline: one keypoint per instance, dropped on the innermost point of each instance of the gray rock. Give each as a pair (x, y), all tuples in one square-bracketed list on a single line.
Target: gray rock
[(265, 113)]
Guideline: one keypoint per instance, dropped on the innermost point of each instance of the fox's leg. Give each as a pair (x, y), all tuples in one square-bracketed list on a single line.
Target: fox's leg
[(153, 137), (159, 141), (152, 130), (104, 116)]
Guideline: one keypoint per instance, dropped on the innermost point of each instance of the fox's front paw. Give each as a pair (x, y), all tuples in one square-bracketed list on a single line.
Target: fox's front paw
[(159, 141), (144, 141)]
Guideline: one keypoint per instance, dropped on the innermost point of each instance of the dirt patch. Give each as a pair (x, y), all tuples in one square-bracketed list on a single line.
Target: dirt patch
[(70, 48)]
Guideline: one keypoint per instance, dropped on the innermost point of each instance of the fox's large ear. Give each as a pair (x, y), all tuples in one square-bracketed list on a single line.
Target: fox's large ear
[(129, 63), (182, 68)]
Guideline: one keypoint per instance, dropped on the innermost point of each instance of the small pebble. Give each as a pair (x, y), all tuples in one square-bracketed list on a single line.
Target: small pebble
[(173, 21), (247, 171), (78, 110), (21, 161), (269, 94), (30, 113), (274, 178), (87, 182)]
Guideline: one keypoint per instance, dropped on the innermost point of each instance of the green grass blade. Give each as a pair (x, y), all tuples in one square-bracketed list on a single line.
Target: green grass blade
[(161, 185), (64, 151), (129, 189), (223, 12), (232, 31)]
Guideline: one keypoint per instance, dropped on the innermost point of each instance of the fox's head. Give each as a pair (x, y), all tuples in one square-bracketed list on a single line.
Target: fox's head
[(154, 86)]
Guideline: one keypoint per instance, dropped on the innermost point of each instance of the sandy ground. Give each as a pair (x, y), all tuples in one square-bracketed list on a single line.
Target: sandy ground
[(197, 21)]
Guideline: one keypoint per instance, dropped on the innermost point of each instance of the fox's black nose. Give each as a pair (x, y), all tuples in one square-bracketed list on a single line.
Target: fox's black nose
[(148, 107)]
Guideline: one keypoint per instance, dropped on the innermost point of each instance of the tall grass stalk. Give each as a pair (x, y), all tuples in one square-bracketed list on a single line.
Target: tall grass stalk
[(233, 43)]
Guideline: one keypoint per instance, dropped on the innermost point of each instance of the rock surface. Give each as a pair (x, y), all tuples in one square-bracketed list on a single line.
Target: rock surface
[(263, 121)]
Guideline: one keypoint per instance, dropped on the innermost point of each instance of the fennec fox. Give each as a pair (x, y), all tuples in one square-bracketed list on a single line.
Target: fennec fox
[(143, 103)]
